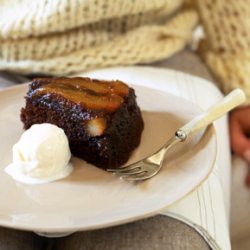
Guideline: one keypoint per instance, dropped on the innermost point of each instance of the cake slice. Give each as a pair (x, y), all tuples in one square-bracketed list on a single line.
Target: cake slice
[(100, 118)]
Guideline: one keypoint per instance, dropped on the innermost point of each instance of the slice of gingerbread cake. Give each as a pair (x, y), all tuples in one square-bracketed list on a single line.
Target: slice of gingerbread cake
[(100, 118)]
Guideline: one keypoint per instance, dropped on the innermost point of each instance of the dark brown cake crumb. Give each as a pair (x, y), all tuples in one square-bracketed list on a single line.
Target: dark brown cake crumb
[(100, 118)]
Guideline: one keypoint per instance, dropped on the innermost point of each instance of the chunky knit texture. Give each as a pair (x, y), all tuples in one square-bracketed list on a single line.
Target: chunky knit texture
[(67, 36), (58, 37), (226, 48)]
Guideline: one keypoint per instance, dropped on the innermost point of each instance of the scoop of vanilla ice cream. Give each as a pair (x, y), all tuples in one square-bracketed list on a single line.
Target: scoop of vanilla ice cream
[(41, 155)]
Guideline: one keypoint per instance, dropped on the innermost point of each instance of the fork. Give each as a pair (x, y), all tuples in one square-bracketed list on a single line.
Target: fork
[(151, 165)]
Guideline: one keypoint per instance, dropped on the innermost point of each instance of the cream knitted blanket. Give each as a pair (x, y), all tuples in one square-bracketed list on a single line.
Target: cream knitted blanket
[(58, 37), (226, 48), (67, 36)]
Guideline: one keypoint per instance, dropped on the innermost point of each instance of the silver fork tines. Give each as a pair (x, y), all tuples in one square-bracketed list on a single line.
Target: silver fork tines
[(147, 167)]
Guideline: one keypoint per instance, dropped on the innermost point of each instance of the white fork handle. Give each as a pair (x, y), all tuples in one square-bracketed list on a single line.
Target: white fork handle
[(232, 100)]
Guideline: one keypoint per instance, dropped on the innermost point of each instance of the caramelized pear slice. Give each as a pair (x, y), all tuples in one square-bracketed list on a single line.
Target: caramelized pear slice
[(109, 102), (101, 87)]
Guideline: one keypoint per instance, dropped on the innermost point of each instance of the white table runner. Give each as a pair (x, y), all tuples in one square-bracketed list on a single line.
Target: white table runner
[(207, 208)]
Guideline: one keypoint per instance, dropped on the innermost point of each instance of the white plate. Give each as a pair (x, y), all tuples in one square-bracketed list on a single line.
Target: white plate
[(90, 198)]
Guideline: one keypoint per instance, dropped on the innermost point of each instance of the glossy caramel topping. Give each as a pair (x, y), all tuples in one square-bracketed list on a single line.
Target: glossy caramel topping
[(91, 94)]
